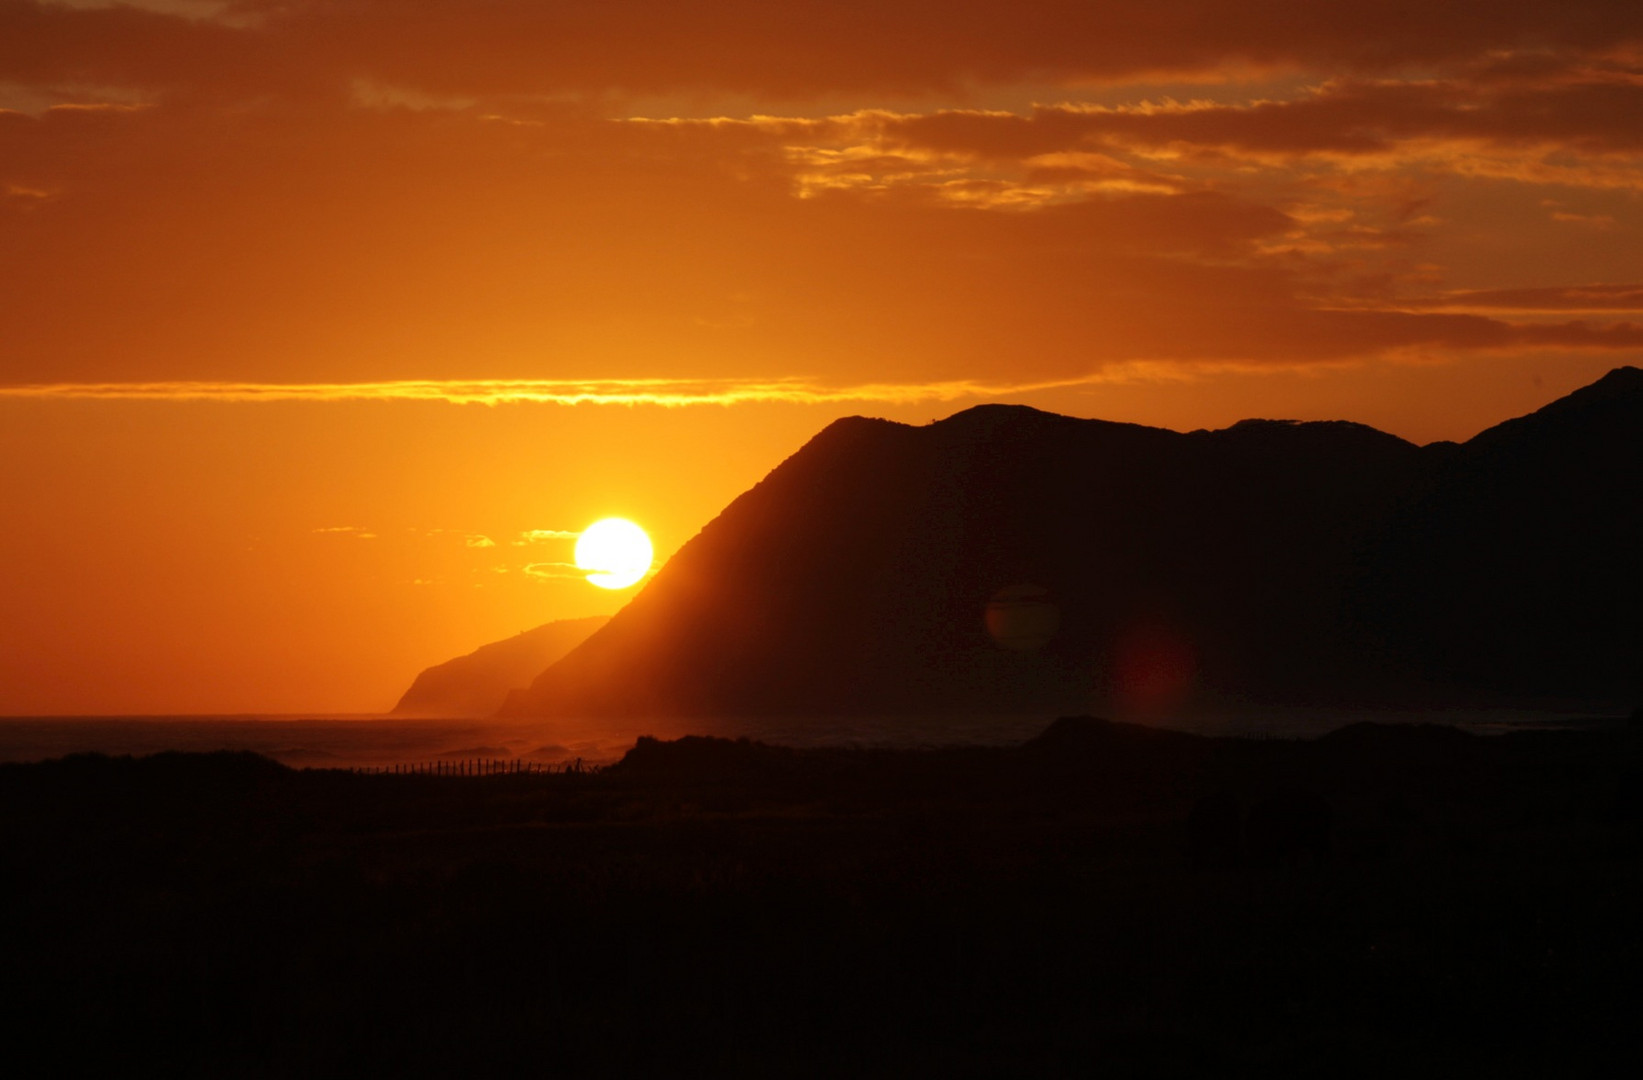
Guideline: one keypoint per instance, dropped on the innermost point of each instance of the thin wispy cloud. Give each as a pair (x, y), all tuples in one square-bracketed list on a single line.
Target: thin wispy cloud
[(1576, 299), (668, 393), (1481, 334), (564, 571), (554, 571)]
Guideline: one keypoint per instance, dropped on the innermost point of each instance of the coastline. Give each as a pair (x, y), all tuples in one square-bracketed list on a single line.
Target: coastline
[(371, 740)]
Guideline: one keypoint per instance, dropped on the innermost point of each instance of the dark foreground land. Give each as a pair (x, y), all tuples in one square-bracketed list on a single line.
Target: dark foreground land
[(1384, 899)]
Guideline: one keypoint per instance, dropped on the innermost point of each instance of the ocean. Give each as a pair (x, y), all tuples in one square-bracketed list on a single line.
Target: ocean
[(355, 741)]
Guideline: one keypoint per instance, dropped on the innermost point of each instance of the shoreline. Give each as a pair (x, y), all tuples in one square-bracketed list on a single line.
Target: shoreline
[(368, 740)]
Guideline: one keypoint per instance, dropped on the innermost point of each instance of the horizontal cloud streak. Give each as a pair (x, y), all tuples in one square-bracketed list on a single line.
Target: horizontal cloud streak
[(1386, 334), (661, 392), (1566, 299), (554, 571)]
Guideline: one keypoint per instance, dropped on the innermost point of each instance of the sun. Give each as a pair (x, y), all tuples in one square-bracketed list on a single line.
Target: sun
[(615, 553)]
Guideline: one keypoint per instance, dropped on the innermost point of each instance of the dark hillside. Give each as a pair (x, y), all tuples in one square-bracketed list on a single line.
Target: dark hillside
[(1516, 572), (1144, 570), (856, 577)]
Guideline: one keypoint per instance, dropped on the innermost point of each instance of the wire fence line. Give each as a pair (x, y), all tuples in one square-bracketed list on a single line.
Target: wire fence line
[(475, 767)]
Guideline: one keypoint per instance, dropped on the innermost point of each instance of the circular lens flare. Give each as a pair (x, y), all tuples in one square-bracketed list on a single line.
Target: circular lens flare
[(615, 553), (1022, 618)]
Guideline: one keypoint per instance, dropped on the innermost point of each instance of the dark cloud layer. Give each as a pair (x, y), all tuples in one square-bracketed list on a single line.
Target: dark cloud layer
[(350, 189), (800, 47)]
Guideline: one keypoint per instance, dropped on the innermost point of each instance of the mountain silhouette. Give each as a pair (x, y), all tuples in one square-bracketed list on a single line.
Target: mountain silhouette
[(1010, 560), (1517, 567), (477, 684)]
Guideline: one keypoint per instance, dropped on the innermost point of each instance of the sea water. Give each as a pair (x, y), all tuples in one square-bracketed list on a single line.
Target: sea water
[(356, 741)]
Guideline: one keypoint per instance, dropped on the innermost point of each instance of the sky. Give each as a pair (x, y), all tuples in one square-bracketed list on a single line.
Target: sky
[(325, 325)]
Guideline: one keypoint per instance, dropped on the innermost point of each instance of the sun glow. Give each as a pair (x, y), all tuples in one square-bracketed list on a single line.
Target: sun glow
[(615, 553)]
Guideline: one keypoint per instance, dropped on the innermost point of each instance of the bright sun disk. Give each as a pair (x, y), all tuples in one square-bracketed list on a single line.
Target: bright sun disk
[(615, 553)]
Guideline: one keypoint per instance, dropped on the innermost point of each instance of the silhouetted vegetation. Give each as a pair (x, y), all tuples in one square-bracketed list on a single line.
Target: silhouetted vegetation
[(1384, 899)]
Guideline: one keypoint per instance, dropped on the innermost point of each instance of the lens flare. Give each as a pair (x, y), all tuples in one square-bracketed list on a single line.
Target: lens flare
[(1022, 618)]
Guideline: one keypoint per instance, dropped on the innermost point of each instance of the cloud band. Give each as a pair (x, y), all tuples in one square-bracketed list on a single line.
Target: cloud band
[(667, 393)]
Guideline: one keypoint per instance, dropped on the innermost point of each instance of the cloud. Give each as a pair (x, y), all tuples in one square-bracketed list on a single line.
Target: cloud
[(344, 200), (1249, 337), (654, 392), (127, 46), (799, 48), (555, 571), (477, 540), (1584, 299), (1457, 124), (349, 530), (1591, 221)]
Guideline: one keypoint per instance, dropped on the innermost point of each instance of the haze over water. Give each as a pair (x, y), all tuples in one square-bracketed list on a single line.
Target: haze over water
[(368, 741)]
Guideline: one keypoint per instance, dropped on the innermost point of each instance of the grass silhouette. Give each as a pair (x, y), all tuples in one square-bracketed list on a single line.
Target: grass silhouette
[(717, 907)]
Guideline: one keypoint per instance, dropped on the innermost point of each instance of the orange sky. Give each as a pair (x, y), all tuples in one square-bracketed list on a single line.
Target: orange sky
[(316, 310)]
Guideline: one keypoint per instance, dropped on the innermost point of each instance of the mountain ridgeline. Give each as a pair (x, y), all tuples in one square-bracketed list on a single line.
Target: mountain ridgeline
[(1270, 562)]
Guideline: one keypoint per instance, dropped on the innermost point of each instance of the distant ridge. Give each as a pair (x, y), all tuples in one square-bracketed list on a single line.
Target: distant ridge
[(1272, 561), (477, 684)]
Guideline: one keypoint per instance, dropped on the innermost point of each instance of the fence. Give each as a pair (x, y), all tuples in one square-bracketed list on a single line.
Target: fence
[(480, 767)]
